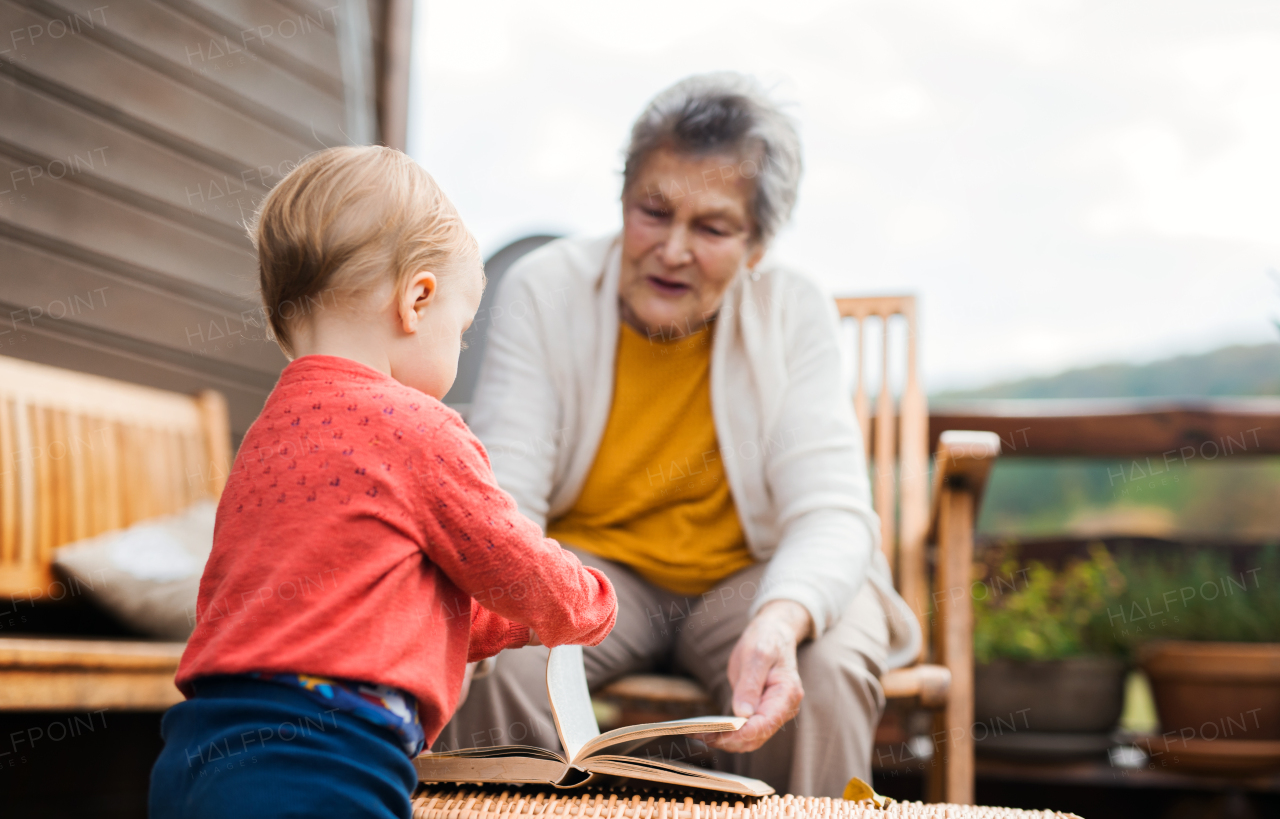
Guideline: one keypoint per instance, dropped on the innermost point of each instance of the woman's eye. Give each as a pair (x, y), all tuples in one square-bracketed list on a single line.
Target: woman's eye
[(654, 213), (714, 231)]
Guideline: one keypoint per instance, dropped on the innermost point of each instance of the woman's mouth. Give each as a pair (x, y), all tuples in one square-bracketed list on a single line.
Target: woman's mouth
[(668, 287)]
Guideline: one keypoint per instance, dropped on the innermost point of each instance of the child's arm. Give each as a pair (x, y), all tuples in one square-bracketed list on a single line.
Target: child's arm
[(491, 633), (478, 538)]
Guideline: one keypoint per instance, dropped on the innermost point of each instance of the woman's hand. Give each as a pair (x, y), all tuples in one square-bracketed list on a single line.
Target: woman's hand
[(763, 672)]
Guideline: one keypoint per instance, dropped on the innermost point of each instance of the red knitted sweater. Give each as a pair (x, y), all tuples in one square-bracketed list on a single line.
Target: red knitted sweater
[(362, 535)]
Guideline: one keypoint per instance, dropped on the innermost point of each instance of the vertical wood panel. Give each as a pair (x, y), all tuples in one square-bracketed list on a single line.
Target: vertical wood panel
[(26, 484), (45, 499), (81, 468), (60, 463), (393, 92), (213, 410), (113, 515), (8, 485)]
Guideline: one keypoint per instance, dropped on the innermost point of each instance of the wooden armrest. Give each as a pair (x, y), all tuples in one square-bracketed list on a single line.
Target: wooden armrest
[(964, 461), (930, 683)]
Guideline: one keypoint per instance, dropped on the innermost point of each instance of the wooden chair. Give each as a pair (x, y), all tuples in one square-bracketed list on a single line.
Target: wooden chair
[(896, 441), (81, 455)]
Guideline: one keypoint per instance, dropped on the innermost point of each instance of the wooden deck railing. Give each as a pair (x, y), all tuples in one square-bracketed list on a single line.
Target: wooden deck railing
[(1203, 428)]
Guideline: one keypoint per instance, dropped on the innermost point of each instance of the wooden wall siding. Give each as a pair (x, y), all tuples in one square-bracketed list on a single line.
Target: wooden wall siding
[(135, 141)]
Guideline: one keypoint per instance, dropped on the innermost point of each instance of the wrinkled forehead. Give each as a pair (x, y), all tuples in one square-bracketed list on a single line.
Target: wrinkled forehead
[(718, 182)]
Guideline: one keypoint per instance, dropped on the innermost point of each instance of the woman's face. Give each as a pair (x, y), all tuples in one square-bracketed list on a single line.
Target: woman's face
[(687, 231)]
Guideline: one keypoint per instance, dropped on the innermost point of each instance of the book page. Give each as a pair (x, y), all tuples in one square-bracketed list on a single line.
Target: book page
[(440, 768), (633, 735), (678, 773), (570, 700), (494, 751)]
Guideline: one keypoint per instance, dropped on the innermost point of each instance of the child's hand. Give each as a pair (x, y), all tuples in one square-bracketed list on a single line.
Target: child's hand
[(533, 639)]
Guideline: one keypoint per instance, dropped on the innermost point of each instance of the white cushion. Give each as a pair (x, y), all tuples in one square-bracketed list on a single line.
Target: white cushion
[(149, 574)]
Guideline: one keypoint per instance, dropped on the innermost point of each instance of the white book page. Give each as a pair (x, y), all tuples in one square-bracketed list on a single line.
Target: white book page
[(570, 700), (624, 740), (678, 773)]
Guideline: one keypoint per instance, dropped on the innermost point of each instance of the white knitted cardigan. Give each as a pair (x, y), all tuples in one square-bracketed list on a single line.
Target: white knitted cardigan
[(790, 444)]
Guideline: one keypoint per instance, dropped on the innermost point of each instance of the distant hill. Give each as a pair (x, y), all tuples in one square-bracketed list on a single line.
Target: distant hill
[(1238, 370)]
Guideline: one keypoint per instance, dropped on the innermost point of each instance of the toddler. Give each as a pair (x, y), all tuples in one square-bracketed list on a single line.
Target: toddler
[(363, 552)]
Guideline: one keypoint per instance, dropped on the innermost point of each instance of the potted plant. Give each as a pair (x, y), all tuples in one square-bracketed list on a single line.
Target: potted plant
[(1207, 635), (1045, 662)]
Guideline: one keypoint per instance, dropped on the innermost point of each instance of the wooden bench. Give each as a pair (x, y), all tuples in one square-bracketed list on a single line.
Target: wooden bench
[(81, 455), (896, 440), (84, 675)]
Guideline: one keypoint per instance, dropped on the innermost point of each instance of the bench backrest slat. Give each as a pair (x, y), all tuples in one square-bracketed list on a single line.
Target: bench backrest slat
[(81, 454)]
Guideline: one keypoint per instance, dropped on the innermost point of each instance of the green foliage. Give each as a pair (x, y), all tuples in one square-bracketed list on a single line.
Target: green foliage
[(1111, 606), (1197, 595), (1228, 498), (1046, 615)]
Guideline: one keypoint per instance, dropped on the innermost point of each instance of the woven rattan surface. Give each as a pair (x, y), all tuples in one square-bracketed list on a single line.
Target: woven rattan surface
[(657, 803)]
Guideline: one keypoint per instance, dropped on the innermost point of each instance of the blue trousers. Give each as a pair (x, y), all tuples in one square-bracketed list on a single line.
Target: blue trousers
[(244, 748)]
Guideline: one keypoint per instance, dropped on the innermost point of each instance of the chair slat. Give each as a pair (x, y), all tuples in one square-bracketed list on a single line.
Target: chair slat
[(884, 455), (895, 440), (913, 481), (860, 407)]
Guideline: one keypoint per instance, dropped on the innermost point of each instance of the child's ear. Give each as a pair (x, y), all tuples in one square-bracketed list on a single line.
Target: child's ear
[(418, 292)]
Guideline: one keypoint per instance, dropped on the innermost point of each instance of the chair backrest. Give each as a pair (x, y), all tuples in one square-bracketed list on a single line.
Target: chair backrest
[(896, 440), (81, 454), (477, 336)]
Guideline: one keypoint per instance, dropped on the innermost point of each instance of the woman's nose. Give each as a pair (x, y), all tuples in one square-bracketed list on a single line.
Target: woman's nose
[(676, 250)]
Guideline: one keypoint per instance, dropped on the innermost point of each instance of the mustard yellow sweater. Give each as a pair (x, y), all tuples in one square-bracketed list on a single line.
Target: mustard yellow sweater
[(656, 498)]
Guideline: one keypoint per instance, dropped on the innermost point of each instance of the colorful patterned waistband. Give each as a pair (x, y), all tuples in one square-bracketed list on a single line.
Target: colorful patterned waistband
[(382, 705)]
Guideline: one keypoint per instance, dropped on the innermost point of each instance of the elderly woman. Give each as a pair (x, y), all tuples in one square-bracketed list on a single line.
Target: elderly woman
[(672, 408)]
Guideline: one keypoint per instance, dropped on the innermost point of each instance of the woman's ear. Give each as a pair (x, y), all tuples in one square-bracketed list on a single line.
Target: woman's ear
[(419, 291), (755, 254)]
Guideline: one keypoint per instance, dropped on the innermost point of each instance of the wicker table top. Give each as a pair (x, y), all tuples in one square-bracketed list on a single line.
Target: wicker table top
[(488, 803)]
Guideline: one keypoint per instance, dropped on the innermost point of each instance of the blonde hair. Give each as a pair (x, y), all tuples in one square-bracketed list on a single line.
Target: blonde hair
[(345, 220)]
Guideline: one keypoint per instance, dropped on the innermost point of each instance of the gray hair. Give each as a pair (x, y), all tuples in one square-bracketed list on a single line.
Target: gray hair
[(725, 113)]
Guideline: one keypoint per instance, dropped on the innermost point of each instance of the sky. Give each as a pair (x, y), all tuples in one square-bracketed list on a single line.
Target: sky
[(1060, 183)]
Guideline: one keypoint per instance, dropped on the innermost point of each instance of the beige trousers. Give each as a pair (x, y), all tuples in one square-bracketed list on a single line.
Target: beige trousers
[(814, 754)]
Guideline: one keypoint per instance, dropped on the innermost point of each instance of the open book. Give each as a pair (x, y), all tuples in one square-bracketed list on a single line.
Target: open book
[(587, 752)]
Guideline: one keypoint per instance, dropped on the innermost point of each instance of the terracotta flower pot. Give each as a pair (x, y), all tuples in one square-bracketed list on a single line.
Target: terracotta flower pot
[(1216, 691), (1079, 695)]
